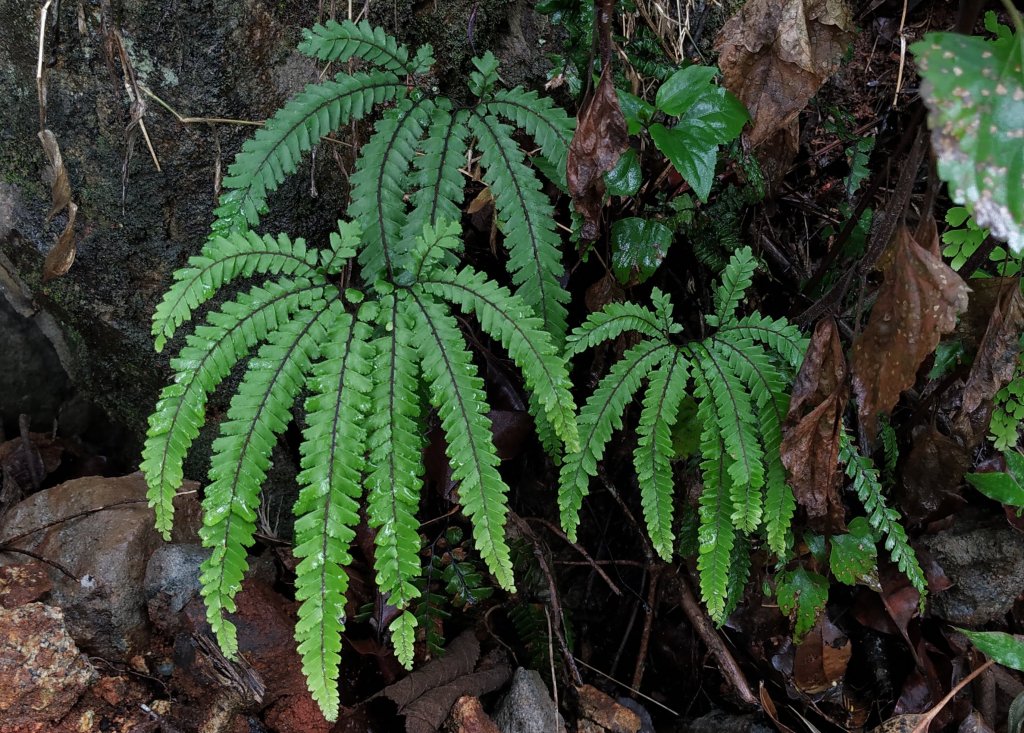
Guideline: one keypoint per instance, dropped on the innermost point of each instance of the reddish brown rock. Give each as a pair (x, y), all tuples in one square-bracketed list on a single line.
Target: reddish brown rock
[(468, 716), (25, 583), (42, 674), (601, 713)]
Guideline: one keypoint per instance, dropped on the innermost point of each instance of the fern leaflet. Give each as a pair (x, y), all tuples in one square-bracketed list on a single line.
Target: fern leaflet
[(548, 124), (339, 42), (611, 322)]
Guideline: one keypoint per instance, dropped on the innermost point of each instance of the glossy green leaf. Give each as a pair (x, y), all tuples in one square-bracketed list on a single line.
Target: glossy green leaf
[(683, 88), (853, 558), (637, 112), (1015, 717), (1006, 488), (690, 153), (638, 248), (803, 594), (974, 89), (625, 178), (1005, 649)]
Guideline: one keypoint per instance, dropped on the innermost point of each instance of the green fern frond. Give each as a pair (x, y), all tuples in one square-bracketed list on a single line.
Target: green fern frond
[(716, 533), (885, 520), (457, 394), (274, 152), (600, 416), (379, 185), (550, 127), (611, 322), (259, 411), (339, 42), (204, 361), (507, 319), (343, 247), (437, 179), (734, 414), (736, 278), (527, 220), (222, 260), (327, 509), (654, 449), (778, 334), (395, 447), (739, 574)]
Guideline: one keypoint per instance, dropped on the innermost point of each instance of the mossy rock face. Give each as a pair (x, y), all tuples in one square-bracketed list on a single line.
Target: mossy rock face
[(217, 59)]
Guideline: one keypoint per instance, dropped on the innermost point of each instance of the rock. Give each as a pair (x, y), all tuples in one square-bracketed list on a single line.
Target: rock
[(42, 673), (601, 714), (105, 544), (986, 568), (719, 721), (527, 706), (26, 583), (467, 716), (172, 580)]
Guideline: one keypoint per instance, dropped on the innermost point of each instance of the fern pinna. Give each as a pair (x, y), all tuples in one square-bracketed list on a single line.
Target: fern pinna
[(740, 379), (371, 362)]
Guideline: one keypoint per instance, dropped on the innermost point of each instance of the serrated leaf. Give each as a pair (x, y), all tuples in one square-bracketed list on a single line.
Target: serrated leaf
[(691, 152), (801, 594), (638, 248), (1005, 649), (681, 90), (853, 558), (974, 90)]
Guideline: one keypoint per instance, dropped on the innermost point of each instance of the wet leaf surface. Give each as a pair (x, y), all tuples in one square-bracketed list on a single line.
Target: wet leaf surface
[(810, 446), (639, 246), (600, 139), (918, 302)]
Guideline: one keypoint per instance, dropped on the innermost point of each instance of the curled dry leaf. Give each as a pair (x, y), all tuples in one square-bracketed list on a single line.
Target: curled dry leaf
[(59, 259), (996, 360), (918, 302), (821, 659), (810, 448), (775, 56), (601, 137), (55, 174)]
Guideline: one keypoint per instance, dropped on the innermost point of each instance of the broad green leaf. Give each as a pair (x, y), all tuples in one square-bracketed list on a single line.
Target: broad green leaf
[(691, 153), (854, 556), (637, 112), (638, 248), (1005, 488), (1004, 649), (803, 593), (974, 89), (625, 178), (683, 88), (1015, 718)]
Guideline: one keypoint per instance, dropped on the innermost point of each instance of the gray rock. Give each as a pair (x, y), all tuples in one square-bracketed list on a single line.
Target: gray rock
[(528, 707), (106, 551), (172, 579), (42, 674), (986, 567)]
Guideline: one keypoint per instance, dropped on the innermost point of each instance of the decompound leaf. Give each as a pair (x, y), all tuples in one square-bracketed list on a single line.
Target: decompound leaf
[(775, 56), (918, 302), (600, 138)]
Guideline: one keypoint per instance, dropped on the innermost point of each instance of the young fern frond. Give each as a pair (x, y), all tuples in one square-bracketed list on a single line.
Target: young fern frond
[(527, 220), (395, 446), (653, 453), (274, 152), (205, 361), (327, 510), (457, 394), (600, 416), (339, 42), (736, 278), (378, 190), (259, 412), (611, 322), (883, 519), (223, 259), (550, 127)]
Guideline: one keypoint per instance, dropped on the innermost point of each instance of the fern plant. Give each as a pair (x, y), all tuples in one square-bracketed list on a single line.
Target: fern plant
[(739, 378), (371, 360)]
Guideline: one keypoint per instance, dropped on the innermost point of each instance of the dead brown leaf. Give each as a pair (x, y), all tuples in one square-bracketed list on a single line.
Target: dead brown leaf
[(996, 360), (810, 448), (918, 302), (60, 258), (55, 174), (601, 137), (822, 658), (775, 56), (919, 722)]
